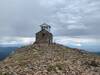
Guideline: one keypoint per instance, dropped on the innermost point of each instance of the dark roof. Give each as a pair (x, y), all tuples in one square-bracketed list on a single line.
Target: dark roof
[(44, 31)]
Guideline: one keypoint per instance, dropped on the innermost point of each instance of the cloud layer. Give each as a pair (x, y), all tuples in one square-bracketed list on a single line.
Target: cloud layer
[(77, 42)]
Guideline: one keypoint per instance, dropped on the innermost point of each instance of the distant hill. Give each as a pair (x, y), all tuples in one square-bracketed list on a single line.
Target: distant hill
[(98, 53), (53, 59), (5, 51)]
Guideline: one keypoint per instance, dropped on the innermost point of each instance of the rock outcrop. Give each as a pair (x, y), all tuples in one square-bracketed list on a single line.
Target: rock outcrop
[(53, 59)]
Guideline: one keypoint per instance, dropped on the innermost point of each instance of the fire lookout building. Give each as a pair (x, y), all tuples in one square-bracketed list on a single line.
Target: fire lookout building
[(44, 36)]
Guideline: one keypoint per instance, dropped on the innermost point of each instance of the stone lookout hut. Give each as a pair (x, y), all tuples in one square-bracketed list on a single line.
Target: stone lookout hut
[(44, 36)]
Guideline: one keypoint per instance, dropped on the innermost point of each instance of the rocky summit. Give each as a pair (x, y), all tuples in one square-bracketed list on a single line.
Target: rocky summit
[(50, 59)]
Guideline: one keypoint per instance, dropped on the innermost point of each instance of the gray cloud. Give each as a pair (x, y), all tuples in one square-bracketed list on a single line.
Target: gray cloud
[(67, 17)]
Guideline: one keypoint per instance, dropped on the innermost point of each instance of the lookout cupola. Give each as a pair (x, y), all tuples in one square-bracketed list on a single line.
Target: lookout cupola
[(44, 35), (45, 26)]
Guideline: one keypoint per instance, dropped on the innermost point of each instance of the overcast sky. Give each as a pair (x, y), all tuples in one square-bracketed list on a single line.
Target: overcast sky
[(71, 18), (73, 22)]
